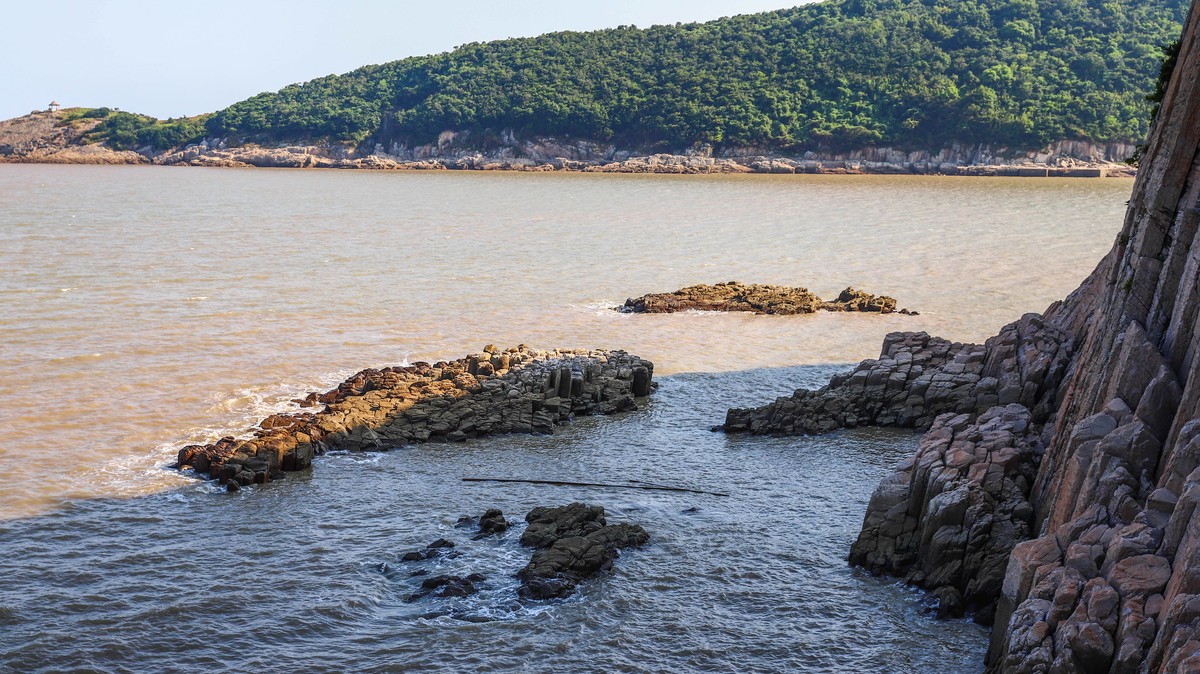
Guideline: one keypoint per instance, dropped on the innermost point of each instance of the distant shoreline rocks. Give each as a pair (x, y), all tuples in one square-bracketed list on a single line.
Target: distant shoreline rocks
[(516, 390), (55, 138), (759, 299)]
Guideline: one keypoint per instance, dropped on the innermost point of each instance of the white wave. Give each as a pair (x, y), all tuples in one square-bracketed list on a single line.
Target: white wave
[(236, 415), (79, 357), (603, 308)]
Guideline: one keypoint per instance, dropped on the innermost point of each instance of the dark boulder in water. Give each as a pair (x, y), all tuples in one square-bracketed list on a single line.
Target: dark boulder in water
[(547, 525), (447, 585), (432, 550), (574, 543), (492, 522)]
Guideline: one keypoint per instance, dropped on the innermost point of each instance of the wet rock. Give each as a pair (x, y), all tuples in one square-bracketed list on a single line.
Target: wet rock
[(574, 543), (949, 516), (756, 298), (492, 522), (434, 549), (518, 390), (445, 585), (546, 525)]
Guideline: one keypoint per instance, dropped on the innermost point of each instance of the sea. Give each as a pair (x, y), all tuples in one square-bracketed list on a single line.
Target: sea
[(145, 308)]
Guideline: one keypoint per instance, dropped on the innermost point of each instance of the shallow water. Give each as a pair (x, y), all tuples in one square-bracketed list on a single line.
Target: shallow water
[(288, 577), (144, 308)]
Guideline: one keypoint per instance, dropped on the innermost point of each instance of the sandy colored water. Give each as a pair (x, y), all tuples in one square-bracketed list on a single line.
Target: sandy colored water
[(142, 308)]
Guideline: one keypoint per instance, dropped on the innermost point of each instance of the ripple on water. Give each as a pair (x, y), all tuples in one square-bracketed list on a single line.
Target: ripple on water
[(305, 574)]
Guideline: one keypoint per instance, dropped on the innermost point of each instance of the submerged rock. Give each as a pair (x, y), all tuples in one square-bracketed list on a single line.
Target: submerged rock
[(432, 550), (756, 298), (447, 585), (574, 543), (518, 390)]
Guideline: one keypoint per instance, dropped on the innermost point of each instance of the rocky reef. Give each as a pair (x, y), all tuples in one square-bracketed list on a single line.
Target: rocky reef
[(571, 543), (756, 298), (517, 390), (1054, 493)]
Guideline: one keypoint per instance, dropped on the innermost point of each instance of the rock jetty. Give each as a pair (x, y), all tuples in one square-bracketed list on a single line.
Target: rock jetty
[(517, 390), (756, 298), (1055, 492)]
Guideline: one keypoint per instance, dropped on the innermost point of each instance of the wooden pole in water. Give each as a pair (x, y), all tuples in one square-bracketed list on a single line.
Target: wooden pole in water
[(562, 483)]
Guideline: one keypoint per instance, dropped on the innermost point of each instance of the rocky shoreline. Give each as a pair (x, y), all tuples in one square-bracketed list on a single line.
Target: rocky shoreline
[(516, 390), (43, 138), (757, 298), (1054, 491)]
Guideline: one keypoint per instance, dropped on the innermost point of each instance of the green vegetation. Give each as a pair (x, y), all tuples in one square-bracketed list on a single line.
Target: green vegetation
[(1170, 54), (839, 74), (129, 131), (1170, 58), (836, 75)]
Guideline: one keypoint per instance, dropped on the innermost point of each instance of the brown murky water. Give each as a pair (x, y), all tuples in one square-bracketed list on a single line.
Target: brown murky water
[(143, 308)]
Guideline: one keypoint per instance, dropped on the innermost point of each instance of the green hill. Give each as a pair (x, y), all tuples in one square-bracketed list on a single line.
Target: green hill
[(914, 74)]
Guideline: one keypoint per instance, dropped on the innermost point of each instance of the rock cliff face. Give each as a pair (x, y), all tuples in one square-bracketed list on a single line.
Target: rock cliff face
[(45, 137), (1055, 492)]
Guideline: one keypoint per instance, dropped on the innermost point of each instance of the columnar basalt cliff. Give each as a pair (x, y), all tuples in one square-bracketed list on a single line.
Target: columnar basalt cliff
[(518, 390), (1055, 491)]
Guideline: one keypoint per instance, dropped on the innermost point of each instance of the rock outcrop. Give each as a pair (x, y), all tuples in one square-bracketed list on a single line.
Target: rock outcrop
[(756, 298), (1055, 492), (44, 137), (574, 542), (918, 377), (518, 390), (571, 544)]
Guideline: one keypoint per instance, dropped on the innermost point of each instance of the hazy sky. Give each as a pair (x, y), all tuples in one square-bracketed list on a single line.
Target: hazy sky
[(169, 59)]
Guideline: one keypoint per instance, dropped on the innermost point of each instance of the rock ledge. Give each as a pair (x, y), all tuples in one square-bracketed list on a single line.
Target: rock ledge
[(518, 390), (756, 298)]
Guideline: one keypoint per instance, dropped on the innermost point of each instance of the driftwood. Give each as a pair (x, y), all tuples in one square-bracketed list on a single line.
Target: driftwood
[(561, 483)]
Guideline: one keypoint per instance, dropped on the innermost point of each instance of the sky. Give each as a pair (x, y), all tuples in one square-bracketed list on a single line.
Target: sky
[(172, 59)]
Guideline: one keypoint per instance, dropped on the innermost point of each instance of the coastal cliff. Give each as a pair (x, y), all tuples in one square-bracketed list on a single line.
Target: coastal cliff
[(61, 138), (1054, 493)]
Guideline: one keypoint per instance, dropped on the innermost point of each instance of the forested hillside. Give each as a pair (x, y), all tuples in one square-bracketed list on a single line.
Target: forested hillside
[(916, 74)]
